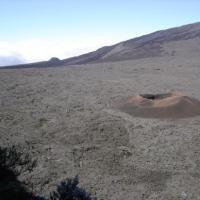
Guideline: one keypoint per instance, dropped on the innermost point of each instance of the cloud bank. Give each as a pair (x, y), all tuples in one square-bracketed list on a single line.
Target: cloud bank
[(10, 60), (34, 50)]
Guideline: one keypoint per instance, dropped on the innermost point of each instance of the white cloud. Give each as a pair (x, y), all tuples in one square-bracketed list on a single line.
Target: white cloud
[(37, 49), (10, 60), (33, 50)]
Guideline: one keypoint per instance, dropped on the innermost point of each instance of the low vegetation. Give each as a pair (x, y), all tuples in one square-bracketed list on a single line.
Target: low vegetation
[(13, 163)]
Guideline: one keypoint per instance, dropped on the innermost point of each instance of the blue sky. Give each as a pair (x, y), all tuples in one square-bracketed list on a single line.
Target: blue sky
[(33, 30)]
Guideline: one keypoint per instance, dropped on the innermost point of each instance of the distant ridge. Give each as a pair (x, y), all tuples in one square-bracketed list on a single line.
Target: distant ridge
[(150, 45)]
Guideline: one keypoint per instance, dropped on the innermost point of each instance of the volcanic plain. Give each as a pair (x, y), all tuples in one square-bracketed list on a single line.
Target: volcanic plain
[(65, 117)]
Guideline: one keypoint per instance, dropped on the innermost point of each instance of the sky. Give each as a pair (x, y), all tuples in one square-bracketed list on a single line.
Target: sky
[(35, 30)]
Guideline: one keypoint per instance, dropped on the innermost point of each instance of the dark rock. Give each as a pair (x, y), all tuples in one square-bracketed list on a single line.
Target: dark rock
[(54, 60)]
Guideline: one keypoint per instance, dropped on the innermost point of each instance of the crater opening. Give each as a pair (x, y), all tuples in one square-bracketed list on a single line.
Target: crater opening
[(155, 96)]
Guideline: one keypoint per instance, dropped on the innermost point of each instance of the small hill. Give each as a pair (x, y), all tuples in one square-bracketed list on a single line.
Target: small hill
[(170, 105)]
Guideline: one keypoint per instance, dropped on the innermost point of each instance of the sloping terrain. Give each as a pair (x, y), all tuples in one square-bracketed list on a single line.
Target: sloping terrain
[(160, 43), (151, 45)]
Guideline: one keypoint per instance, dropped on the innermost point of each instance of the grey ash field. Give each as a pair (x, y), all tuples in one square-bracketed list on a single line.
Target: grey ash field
[(64, 116)]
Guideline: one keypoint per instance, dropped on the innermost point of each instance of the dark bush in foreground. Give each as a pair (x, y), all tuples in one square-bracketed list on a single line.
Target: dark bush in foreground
[(13, 163), (69, 190)]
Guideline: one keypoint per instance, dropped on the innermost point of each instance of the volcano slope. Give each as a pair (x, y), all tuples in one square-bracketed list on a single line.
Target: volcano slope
[(65, 117), (183, 40)]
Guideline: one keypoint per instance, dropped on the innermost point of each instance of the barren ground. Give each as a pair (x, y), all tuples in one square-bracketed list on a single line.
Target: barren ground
[(64, 117)]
